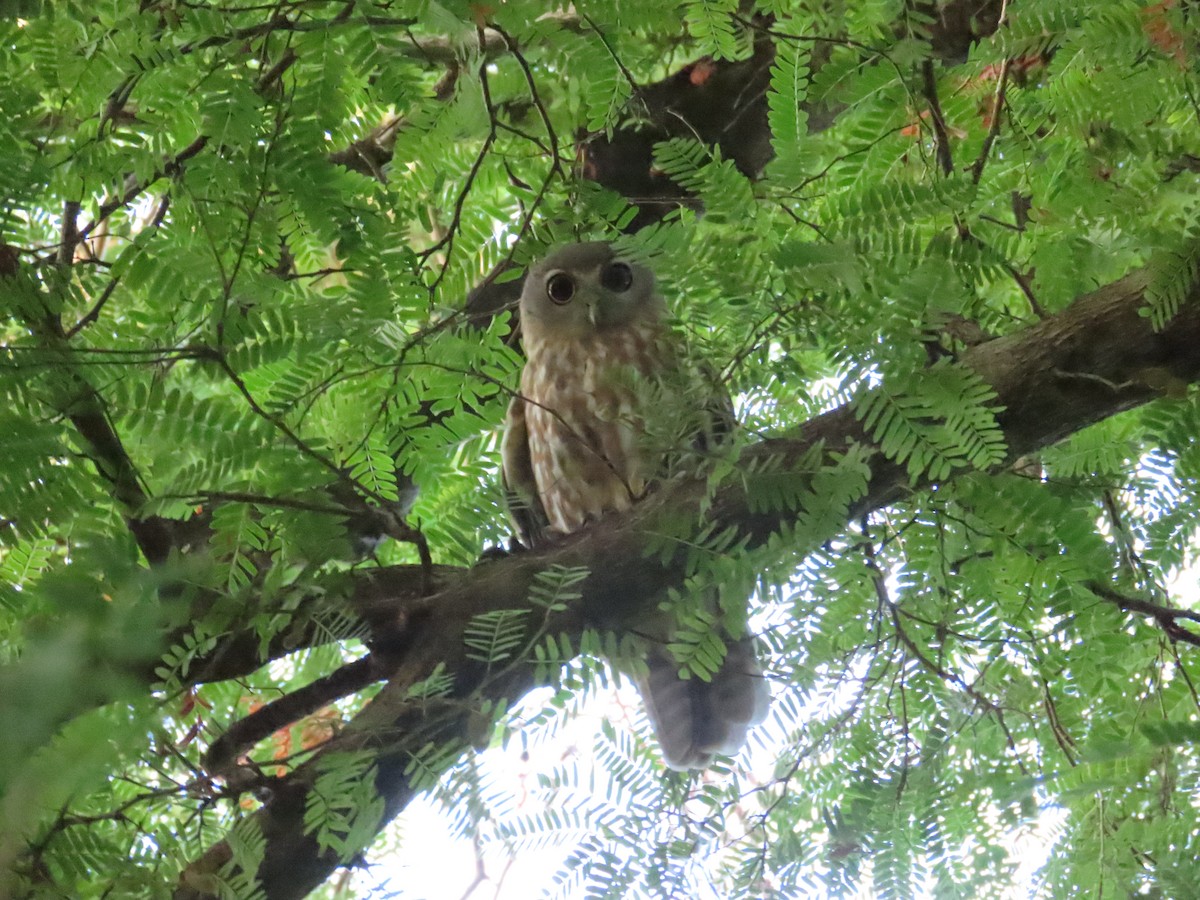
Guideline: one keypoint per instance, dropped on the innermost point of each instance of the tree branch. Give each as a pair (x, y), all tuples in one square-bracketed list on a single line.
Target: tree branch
[(170, 169), (1167, 617), (73, 397), (1093, 360)]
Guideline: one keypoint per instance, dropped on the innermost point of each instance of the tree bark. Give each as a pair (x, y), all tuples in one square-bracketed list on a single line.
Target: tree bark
[(1095, 359)]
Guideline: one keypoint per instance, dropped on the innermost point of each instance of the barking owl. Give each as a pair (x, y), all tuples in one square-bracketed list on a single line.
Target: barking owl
[(607, 402)]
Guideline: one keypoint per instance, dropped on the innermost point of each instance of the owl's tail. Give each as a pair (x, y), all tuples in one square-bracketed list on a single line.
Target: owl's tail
[(694, 719)]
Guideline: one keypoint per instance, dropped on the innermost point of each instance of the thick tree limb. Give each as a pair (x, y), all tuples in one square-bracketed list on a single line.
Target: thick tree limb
[(1095, 359), (720, 102)]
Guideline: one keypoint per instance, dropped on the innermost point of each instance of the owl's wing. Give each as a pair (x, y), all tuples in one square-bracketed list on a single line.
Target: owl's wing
[(520, 488)]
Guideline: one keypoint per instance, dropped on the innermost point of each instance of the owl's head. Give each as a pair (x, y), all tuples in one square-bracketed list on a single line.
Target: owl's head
[(582, 289)]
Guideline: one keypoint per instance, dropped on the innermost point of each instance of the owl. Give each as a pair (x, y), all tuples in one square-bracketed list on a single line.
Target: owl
[(607, 405)]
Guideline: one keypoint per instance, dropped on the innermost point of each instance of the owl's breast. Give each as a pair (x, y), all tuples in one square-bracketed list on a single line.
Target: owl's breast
[(586, 413)]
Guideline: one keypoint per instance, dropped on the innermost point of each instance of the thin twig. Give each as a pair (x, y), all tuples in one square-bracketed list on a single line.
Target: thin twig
[(993, 126), (447, 241), (941, 144), (1166, 616), (173, 167), (94, 313), (70, 233), (1022, 281), (997, 106)]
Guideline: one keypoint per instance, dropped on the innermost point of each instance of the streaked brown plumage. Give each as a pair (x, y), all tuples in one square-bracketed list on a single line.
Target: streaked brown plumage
[(606, 402)]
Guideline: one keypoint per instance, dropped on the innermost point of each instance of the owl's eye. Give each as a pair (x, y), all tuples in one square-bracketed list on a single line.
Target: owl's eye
[(617, 277), (560, 287)]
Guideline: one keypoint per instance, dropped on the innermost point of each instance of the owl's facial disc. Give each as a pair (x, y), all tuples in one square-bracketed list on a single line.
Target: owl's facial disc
[(583, 290)]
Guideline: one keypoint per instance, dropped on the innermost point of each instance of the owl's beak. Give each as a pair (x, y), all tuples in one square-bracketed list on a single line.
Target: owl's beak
[(591, 311)]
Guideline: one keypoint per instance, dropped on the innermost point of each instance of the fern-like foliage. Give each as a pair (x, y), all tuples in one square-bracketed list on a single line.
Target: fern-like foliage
[(257, 265), (343, 809), (947, 421), (1173, 274), (494, 636)]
